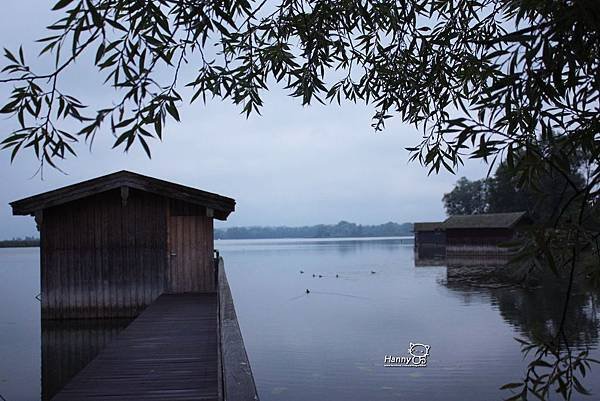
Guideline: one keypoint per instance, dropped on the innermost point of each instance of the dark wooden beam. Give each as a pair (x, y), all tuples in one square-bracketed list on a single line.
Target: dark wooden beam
[(238, 381), (39, 218), (124, 195)]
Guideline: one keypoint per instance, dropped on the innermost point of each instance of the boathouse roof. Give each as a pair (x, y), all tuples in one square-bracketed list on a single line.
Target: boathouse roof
[(490, 220), (428, 226), (221, 205)]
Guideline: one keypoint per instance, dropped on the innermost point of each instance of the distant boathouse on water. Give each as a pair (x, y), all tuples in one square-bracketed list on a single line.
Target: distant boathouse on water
[(430, 238), (111, 245), (464, 236)]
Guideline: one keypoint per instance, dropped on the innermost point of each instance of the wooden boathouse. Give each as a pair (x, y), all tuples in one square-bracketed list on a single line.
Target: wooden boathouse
[(128, 245), (482, 233), (430, 242), (469, 239), (111, 245)]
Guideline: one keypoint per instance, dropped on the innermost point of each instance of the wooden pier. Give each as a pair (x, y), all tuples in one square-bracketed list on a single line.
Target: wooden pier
[(125, 245), (182, 347), (168, 352)]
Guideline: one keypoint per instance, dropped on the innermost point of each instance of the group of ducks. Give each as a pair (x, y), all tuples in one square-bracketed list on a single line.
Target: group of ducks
[(320, 276)]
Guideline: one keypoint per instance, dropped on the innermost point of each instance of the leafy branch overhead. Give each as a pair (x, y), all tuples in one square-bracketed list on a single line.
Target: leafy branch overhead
[(480, 78), (511, 82)]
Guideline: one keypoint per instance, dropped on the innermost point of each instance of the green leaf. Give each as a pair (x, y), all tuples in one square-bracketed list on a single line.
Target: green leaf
[(96, 18), (145, 146), (61, 4), (158, 126), (540, 362), (124, 123), (511, 385), (579, 387), (10, 56), (121, 139), (172, 109)]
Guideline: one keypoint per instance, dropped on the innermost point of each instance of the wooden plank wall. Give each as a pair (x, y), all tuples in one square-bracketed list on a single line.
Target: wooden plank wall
[(102, 257), (429, 246), (478, 236), (191, 267)]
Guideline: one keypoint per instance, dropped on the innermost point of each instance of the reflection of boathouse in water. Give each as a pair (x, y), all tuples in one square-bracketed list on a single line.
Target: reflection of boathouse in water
[(466, 239)]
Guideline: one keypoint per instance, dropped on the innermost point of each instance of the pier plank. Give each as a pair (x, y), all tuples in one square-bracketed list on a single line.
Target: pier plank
[(168, 353)]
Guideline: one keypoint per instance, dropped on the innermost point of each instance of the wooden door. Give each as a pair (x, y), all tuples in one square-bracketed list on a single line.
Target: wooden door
[(190, 254)]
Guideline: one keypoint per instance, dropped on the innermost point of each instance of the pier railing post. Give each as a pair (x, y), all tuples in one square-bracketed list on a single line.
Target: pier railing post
[(217, 260)]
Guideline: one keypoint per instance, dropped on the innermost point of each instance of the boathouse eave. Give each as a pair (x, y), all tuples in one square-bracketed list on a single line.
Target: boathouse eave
[(486, 221), (428, 226), (222, 206)]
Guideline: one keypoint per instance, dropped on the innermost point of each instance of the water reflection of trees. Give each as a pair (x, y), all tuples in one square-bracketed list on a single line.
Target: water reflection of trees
[(536, 313), (347, 246), (360, 245)]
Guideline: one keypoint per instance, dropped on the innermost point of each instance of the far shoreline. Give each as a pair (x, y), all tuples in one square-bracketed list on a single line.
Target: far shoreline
[(8, 244), (318, 238)]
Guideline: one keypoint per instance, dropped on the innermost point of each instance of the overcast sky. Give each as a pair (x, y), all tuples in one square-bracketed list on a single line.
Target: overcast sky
[(293, 165)]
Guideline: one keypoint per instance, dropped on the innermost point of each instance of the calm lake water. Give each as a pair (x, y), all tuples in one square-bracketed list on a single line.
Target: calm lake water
[(329, 344)]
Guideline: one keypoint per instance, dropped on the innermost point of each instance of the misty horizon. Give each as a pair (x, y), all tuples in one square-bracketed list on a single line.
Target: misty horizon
[(221, 230)]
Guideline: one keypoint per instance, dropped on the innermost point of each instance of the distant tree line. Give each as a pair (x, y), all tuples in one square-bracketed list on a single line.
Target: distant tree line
[(343, 229), (551, 197), (20, 242)]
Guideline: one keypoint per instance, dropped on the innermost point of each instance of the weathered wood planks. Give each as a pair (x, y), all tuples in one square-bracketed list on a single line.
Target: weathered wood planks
[(168, 353), (191, 254), (238, 381), (106, 244), (103, 259)]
